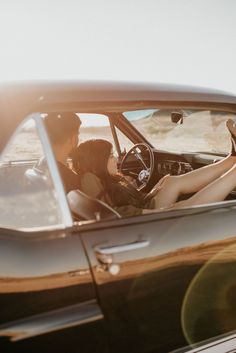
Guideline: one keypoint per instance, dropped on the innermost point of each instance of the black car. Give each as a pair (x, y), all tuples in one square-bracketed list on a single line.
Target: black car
[(75, 275)]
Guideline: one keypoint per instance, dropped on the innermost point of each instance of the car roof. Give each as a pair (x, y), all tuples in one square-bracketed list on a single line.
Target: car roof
[(19, 99)]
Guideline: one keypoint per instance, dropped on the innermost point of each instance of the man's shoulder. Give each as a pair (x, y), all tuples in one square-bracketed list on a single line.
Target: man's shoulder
[(64, 169)]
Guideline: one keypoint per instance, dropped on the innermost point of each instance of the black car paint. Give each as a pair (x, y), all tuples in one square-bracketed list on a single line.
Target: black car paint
[(38, 275), (141, 305)]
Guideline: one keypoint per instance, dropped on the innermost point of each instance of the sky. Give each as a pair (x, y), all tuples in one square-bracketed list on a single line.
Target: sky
[(180, 41)]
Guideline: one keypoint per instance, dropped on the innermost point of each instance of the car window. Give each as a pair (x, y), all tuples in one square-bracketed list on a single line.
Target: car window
[(95, 126), (183, 130), (124, 141), (27, 195)]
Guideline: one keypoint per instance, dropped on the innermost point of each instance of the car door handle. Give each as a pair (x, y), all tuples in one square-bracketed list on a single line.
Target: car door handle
[(116, 249)]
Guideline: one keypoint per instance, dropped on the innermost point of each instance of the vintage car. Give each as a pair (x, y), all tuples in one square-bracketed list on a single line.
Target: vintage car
[(75, 275)]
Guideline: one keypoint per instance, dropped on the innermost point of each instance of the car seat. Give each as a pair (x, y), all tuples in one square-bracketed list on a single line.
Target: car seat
[(82, 206)]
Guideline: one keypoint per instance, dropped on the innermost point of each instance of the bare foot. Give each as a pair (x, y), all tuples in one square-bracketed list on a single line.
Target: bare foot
[(232, 129), (231, 125)]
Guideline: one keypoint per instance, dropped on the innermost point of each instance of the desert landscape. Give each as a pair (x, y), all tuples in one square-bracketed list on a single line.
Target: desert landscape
[(201, 131)]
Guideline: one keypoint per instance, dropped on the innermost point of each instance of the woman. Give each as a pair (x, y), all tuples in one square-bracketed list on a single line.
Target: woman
[(100, 179)]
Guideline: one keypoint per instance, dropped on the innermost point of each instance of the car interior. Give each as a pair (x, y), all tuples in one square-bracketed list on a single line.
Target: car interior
[(149, 143)]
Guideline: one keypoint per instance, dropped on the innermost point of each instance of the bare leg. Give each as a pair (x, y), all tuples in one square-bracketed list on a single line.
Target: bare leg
[(191, 182), (214, 192), (197, 180)]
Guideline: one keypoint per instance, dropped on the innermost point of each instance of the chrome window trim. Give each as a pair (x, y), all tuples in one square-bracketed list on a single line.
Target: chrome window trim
[(53, 168)]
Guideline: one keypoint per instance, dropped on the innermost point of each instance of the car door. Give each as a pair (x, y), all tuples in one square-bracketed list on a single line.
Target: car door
[(223, 344), (47, 297), (165, 280)]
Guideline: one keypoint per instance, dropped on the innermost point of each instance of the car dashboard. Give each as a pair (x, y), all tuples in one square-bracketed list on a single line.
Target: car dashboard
[(173, 167)]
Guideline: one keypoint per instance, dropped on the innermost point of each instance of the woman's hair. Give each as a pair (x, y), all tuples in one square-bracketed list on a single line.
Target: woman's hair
[(92, 156)]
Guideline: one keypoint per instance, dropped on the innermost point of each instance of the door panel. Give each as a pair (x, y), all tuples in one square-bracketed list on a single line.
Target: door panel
[(46, 290), (155, 297)]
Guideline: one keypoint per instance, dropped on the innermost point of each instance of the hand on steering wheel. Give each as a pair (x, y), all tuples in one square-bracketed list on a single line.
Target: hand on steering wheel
[(139, 150)]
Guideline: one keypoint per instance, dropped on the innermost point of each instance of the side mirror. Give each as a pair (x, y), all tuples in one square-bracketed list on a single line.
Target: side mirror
[(177, 117)]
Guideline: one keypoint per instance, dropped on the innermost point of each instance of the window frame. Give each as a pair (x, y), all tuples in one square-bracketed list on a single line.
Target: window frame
[(66, 216), (53, 169)]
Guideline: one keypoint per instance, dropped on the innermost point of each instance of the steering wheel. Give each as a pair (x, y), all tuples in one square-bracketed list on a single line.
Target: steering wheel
[(144, 176)]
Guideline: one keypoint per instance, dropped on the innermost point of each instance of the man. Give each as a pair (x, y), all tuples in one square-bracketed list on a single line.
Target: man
[(63, 131)]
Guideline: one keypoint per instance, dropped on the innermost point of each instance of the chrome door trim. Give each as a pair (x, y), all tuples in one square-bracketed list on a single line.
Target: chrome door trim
[(115, 249), (66, 213), (223, 345), (73, 315)]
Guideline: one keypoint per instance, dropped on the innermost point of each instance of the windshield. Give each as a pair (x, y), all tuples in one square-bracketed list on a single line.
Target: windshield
[(183, 130)]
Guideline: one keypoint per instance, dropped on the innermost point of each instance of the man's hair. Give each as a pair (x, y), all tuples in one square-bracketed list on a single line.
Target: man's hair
[(61, 126)]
